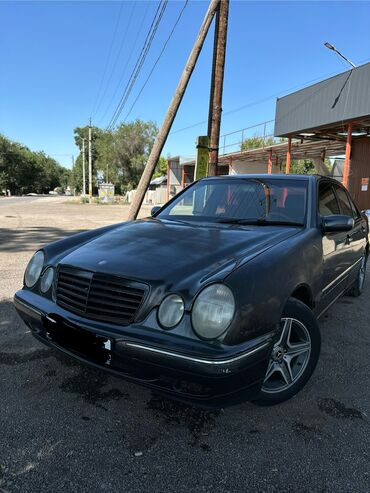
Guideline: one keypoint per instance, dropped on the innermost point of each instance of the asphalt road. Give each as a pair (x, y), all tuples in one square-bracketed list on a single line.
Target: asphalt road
[(68, 428), (10, 201)]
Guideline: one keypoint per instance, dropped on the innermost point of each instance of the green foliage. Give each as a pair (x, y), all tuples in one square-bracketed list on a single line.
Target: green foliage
[(119, 156), (161, 168), (302, 167), (257, 142), (24, 171)]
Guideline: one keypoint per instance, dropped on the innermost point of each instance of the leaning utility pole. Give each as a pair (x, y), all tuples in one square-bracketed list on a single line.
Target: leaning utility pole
[(217, 82), (171, 112), (83, 168), (90, 165)]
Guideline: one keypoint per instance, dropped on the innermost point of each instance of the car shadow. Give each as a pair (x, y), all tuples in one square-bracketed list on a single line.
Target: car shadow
[(29, 239)]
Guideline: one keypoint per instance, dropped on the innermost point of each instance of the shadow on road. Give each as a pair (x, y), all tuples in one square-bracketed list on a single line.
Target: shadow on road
[(29, 239)]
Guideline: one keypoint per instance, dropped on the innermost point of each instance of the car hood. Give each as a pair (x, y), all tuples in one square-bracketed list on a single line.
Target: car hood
[(172, 253)]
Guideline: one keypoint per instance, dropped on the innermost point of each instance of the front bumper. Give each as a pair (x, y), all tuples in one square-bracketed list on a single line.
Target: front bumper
[(178, 369)]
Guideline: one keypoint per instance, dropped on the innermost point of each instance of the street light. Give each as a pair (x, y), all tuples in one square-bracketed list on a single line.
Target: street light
[(333, 48)]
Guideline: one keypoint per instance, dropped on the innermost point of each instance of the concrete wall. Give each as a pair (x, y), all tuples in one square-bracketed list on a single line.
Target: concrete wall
[(242, 167)]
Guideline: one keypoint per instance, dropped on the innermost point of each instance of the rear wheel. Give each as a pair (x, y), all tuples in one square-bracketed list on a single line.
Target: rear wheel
[(294, 355), (358, 286)]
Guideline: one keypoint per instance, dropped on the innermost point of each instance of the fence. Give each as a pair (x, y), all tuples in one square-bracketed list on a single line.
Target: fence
[(232, 142)]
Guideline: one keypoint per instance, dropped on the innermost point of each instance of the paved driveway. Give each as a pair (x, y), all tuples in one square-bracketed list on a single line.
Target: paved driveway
[(67, 428)]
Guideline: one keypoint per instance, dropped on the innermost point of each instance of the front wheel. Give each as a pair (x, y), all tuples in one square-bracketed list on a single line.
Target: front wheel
[(294, 356)]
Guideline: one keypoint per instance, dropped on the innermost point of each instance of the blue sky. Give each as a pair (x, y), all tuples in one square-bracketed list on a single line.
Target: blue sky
[(55, 58)]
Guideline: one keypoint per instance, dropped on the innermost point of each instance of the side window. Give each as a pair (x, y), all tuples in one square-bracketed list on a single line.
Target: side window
[(355, 211), (328, 204), (343, 200)]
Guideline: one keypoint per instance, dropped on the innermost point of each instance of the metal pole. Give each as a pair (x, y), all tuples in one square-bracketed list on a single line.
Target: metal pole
[(74, 175), (231, 166), (288, 156), (269, 163), (217, 81), (83, 168), (348, 156), (171, 112), (90, 166), (168, 180)]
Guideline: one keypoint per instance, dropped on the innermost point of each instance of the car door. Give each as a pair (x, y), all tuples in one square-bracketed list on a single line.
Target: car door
[(336, 249), (356, 238)]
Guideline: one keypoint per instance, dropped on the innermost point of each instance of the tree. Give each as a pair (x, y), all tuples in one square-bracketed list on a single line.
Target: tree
[(118, 155), (161, 168), (257, 142), (24, 171)]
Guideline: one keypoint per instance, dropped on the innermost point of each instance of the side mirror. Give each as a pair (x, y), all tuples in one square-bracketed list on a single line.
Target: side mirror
[(337, 223), (154, 210)]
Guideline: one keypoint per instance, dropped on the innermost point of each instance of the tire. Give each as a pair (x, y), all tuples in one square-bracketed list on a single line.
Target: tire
[(358, 286), (294, 355)]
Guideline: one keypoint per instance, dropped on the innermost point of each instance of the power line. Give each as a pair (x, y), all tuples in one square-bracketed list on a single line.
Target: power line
[(120, 80), (158, 58), (140, 61), (107, 60), (117, 56), (260, 101), (143, 54)]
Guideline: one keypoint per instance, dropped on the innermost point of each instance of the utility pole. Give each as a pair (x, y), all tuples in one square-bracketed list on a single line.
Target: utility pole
[(74, 176), (90, 165), (217, 82), (172, 111), (83, 168)]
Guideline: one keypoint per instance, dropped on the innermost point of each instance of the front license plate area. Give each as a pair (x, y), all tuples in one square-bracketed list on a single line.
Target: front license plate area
[(82, 342)]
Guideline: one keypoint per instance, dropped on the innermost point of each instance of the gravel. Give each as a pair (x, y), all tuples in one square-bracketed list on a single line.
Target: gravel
[(65, 427)]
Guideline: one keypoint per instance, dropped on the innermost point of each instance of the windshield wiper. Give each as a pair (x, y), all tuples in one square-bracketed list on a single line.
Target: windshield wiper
[(259, 222)]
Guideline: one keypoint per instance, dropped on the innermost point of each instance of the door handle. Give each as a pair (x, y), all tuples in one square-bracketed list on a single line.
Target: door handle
[(349, 239)]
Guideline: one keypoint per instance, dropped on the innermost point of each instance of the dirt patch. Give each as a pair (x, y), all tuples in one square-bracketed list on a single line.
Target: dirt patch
[(198, 421), (337, 409), (89, 385), (12, 359), (305, 431)]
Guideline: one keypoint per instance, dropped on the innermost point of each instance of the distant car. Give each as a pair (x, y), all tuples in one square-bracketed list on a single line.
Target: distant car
[(215, 298)]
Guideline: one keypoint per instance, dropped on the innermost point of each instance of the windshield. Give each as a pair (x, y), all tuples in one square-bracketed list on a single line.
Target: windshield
[(245, 200)]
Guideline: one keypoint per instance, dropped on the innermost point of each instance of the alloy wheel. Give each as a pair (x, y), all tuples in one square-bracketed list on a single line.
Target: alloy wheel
[(289, 356)]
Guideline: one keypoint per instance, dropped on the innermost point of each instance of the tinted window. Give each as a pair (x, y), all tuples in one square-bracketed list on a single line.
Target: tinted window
[(344, 204), (328, 204), (355, 211), (241, 199)]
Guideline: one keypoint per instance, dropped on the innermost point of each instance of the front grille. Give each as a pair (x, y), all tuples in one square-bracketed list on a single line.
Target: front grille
[(99, 296)]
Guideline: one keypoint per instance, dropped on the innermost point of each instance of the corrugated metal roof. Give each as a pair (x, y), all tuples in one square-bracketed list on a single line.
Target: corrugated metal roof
[(341, 98)]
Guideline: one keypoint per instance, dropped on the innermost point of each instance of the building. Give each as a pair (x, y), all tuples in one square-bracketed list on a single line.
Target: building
[(330, 119), (335, 110)]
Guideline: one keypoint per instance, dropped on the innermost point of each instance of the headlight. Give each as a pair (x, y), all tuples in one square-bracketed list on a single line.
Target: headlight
[(34, 269), (213, 311), (171, 311), (47, 280)]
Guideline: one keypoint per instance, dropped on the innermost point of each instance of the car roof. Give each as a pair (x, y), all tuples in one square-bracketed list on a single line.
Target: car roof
[(279, 176)]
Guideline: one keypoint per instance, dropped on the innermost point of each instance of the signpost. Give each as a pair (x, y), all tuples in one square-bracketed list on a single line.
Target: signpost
[(106, 192)]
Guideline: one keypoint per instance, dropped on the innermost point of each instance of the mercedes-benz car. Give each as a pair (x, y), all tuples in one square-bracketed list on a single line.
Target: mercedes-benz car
[(215, 298)]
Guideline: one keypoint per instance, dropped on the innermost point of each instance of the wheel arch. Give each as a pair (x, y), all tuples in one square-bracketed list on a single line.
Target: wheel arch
[(303, 293)]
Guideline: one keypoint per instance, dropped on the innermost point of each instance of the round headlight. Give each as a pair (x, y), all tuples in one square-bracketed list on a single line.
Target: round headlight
[(171, 311), (34, 269), (47, 280), (213, 311)]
